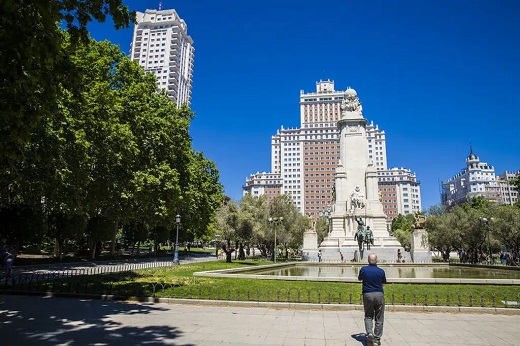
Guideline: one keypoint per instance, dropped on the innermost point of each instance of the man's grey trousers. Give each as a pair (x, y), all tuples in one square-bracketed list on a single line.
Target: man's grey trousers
[(374, 304)]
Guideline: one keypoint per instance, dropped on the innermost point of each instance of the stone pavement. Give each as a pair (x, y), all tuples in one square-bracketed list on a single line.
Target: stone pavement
[(29, 320)]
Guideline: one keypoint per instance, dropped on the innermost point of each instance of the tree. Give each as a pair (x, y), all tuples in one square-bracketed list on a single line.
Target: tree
[(21, 222), (322, 228), (479, 203), (506, 228), (289, 232), (402, 228), (436, 210), (204, 194), (117, 147), (255, 210), (63, 227), (133, 234), (228, 222), (99, 228), (439, 236), (34, 63)]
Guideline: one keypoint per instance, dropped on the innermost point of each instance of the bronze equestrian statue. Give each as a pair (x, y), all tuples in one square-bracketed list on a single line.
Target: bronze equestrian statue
[(360, 233)]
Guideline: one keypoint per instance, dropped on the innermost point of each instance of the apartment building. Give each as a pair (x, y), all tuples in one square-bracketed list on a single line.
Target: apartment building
[(508, 192), (476, 179), (162, 46), (399, 192)]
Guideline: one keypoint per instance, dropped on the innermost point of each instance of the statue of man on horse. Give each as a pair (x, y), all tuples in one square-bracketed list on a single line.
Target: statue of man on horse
[(360, 233)]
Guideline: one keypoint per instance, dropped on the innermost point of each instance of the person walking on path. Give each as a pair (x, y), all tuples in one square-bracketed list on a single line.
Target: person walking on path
[(373, 279), (9, 259)]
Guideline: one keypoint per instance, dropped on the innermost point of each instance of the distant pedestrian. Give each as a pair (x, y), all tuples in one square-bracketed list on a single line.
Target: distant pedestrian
[(341, 256), (373, 279), (399, 256), (319, 255), (9, 259)]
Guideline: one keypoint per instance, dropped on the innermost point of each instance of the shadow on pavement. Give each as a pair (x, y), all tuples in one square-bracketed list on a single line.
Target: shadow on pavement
[(49, 321), (361, 337)]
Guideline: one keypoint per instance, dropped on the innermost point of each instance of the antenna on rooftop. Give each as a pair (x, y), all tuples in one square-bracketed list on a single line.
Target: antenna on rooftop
[(160, 6)]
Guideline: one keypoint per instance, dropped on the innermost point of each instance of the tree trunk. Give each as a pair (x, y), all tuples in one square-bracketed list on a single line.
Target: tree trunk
[(93, 256), (263, 250), (114, 235), (60, 249), (241, 254), (228, 251), (56, 248)]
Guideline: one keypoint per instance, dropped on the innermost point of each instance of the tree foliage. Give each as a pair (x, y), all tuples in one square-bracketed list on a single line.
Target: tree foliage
[(322, 228), (254, 221), (34, 63), (402, 229), (475, 229), (116, 149)]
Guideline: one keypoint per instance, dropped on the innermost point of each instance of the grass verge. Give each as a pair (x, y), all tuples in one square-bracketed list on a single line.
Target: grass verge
[(179, 282)]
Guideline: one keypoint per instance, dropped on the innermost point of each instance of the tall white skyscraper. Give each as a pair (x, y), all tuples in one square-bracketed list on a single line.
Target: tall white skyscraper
[(162, 46)]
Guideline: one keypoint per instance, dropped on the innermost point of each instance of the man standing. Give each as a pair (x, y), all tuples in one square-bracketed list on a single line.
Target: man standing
[(373, 279)]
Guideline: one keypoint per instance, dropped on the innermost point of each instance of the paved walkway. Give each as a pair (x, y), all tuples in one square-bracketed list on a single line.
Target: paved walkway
[(27, 320)]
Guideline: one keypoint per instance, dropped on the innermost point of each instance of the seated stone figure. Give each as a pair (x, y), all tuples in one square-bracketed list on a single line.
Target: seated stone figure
[(357, 199)]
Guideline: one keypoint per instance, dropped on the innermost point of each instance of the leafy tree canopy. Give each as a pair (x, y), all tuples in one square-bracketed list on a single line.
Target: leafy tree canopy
[(34, 62)]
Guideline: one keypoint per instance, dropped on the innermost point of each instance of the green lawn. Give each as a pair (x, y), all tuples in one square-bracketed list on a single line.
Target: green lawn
[(179, 282)]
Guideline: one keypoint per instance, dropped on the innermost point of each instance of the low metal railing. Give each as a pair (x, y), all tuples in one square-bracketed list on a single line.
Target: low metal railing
[(65, 283)]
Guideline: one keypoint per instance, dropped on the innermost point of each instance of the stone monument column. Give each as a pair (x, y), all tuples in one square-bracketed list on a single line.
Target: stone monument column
[(356, 189)]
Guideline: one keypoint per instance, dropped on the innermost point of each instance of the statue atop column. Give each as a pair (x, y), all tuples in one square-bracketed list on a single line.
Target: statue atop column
[(351, 102), (419, 221)]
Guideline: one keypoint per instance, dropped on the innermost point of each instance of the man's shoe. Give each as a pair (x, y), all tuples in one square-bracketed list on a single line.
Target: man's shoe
[(377, 342), (370, 339)]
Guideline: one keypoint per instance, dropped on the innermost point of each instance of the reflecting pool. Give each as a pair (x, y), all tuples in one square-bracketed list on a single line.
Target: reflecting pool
[(411, 272)]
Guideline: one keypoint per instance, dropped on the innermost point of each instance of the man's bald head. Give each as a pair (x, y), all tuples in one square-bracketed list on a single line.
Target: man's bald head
[(372, 258)]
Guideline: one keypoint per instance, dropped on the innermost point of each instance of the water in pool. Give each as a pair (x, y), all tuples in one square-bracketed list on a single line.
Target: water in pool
[(411, 272)]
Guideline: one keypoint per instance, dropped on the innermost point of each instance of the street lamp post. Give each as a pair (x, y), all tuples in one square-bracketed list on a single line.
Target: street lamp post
[(275, 221), (176, 255)]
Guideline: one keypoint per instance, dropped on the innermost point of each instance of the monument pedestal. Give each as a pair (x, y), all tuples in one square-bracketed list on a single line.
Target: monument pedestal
[(419, 246), (341, 239), (310, 246)]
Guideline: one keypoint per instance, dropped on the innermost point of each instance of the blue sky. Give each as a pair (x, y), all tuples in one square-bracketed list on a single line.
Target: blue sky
[(435, 75)]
